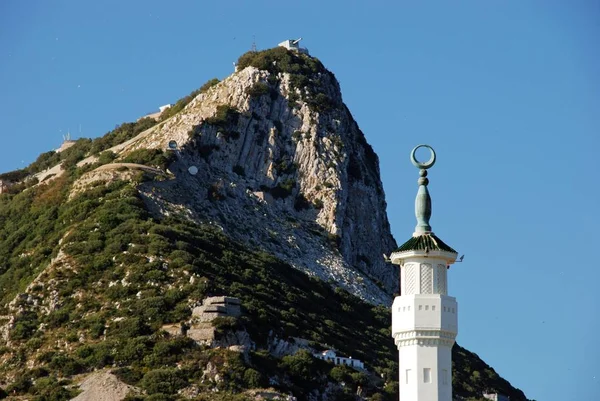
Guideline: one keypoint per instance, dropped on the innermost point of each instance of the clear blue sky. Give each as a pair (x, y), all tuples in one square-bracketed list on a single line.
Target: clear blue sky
[(508, 93)]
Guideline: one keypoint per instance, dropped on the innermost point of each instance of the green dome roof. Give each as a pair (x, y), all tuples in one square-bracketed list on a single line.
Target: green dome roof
[(425, 241)]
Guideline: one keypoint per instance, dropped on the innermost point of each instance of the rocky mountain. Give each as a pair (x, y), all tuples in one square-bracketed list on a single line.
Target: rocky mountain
[(296, 163), (121, 255)]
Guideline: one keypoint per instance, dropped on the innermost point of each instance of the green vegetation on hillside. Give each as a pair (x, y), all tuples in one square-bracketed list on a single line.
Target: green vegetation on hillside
[(29, 231), (69, 157), (181, 103), (306, 75), (84, 147), (111, 238), (150, 157), (275, 296), (225, 115), (279, 59), (258, 89), (122, 133), (121, 273), (225, 120)]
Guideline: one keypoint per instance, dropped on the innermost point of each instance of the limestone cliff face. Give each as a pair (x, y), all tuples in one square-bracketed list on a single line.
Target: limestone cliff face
[(284, 168)]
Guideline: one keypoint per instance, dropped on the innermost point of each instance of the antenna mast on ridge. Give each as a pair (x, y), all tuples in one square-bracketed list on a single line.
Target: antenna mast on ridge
[(254, 43)]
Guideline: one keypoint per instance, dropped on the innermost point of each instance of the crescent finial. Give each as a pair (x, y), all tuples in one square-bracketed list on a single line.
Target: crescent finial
[(418, 164), (423, 200)]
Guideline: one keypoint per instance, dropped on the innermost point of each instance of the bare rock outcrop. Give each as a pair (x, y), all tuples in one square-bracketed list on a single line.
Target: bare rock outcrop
[(279, 347), (283, 175), (103, 386)]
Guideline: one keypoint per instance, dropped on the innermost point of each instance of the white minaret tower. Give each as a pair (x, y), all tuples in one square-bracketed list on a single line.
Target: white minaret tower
[(424, 317)]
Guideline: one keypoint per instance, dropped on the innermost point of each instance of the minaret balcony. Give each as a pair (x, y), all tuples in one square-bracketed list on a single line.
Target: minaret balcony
[(424, 312)]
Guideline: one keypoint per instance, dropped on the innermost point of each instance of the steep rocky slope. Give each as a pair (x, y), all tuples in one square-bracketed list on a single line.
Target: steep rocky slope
[(100, 265), (267, 162)]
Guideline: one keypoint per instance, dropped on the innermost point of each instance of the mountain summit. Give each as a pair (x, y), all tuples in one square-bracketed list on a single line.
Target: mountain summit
[(228, 248), (277, 151)]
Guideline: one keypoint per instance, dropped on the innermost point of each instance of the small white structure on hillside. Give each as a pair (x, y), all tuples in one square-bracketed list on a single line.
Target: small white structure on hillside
[(496, 397), (67, 143), (294, 45), (156, 114), (330, 356)]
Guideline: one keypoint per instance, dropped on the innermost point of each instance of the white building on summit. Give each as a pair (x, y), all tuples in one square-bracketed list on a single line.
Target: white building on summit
[(294, 45), (424, 317)]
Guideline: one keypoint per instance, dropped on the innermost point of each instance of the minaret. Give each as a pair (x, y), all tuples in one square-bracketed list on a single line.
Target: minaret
[(424, 317)]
